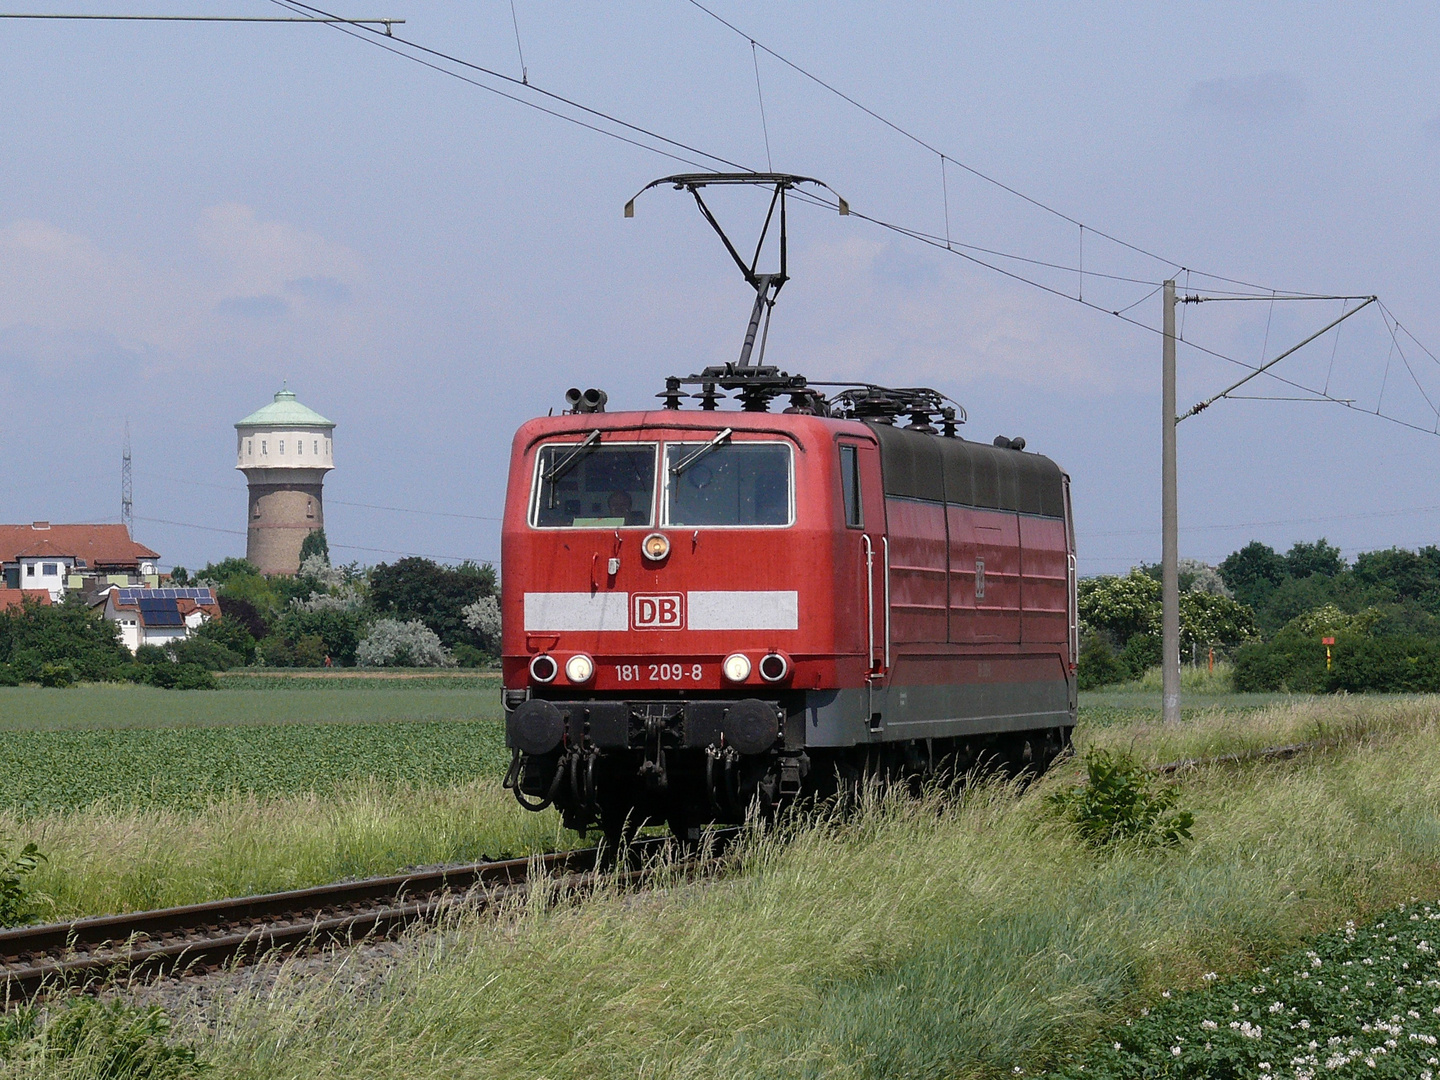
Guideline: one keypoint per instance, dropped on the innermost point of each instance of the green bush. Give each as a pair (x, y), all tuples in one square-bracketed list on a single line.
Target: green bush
[(1120, 803), (1394, 665), (1289, 662), (1358, 664), (275, 651), (16, 902), (232, 633), (314, 635), (57, 673), (205, 652), (150, 655), (9, 676), (172, 676), (1099, 666)]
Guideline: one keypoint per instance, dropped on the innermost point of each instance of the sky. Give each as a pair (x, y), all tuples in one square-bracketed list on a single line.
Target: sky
[(192, 215)]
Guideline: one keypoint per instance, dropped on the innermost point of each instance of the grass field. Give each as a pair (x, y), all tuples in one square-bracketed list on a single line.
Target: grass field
[(145, 798), (249, 700), (915, 938)]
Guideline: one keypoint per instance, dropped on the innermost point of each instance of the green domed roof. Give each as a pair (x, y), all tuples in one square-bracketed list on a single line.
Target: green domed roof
[(285, 411)]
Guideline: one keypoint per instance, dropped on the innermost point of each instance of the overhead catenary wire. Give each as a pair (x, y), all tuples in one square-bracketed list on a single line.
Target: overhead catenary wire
[(979, 174), (390, 44)]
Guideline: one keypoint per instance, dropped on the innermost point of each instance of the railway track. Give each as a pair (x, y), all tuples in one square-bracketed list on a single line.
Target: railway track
[(198, 938)]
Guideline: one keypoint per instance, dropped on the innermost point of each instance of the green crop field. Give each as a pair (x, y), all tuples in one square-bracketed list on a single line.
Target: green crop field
[(251, 700)]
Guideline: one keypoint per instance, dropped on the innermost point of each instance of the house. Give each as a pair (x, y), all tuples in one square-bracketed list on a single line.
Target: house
[(61, 558), (15, 597), (157, 616)]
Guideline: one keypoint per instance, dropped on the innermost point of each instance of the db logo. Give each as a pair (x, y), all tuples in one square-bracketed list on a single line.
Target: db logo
[(657, 611)]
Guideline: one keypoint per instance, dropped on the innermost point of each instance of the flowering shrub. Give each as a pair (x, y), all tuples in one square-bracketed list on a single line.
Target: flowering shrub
[(1359, 1003), (1120, 802), (483, 616), (392, 643)]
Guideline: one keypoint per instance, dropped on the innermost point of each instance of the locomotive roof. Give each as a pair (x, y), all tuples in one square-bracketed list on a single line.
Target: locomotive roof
[(918, 465)]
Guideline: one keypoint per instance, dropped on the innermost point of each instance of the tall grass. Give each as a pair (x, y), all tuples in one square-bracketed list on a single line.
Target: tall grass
[(1212, 731), (937, 937), (103, 860)]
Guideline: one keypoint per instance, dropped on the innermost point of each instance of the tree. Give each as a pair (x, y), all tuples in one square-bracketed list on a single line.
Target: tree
[(1253, 572), (315, 544), (416, 588), (1120, 607), (1321, 557), (392, 643), (225, 570), (337, 630), (33, 635), (232, 633), (1408, 575), (235, 610), (179, 576), (1207, 620)]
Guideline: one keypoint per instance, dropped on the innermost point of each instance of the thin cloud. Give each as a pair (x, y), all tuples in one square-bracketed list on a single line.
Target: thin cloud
[(1271, 95), (951, 326)]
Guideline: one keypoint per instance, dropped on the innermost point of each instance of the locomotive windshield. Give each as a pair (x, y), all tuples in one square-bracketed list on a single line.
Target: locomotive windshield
[(732, 484), (594, 486)]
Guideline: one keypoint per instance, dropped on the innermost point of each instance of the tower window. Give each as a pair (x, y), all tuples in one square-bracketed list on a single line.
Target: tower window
[(250, 447), (317, 446), (310, 508), (30, 569), (264, 448), (282, 446)]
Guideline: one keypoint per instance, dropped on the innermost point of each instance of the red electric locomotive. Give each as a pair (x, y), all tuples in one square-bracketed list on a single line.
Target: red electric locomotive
[(706, 608)]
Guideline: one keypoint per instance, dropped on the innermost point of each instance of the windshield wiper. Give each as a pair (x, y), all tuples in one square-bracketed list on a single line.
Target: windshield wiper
[(714, 444), (568, 462)]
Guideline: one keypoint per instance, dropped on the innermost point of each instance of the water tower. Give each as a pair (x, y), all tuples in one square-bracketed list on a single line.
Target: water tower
[(284, 449)]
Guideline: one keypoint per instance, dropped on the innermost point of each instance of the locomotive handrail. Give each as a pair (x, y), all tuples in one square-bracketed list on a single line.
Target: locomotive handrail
[(885, 542), (869, 598)]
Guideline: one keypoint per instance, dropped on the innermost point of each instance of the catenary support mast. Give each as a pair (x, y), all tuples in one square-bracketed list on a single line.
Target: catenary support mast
[(1170, 526)]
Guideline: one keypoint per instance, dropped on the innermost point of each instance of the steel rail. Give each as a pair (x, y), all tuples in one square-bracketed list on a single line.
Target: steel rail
[(195, 938)]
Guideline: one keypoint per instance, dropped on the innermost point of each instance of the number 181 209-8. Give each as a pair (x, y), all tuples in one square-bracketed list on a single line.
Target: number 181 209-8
[(658, 672)]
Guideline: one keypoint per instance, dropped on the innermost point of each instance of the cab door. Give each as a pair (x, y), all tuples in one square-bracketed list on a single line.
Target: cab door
[(863, 505)]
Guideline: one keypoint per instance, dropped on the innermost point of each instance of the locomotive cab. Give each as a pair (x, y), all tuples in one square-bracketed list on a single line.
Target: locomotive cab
[(707, 610)]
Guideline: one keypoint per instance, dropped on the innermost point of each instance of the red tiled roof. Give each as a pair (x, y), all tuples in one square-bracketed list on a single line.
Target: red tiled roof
[(15, 597), (97, 545)]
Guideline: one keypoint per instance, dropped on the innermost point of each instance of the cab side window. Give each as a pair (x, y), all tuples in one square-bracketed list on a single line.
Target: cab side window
[(850, 486)]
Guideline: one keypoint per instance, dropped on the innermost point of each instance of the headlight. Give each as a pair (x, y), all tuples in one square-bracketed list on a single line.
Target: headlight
[(774, 667), (579, 668), (655, 546), (543, 668), (736, 667)]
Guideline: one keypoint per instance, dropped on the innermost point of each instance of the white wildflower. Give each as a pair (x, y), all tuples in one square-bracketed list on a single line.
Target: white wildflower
[(1209, 1025)]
